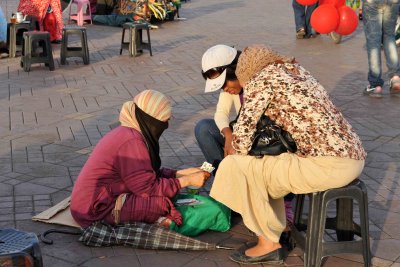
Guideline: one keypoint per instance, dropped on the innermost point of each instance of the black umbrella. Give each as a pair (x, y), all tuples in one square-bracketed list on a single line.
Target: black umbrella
[(141, 235)]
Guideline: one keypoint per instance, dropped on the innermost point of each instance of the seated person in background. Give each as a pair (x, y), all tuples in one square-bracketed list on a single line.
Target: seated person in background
[(329, 152), (3, 35), (214, 136), (3, 27), (123, 181), (48, 13)]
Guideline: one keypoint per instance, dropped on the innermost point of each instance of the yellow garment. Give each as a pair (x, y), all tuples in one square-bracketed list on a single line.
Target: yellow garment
[(255, 187)]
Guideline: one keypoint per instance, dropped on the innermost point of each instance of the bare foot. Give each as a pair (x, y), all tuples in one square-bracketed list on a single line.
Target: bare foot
[(164, 222), (264, 246)]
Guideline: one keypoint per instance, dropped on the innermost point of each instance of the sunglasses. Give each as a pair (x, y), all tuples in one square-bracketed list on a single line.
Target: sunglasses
[(214, 72)]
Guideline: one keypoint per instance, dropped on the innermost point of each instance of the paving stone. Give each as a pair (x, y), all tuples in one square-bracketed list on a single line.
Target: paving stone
[(165, 259), (386, 249), (5, 189), (40, 197), (31, 188), (112, 261), (380, 262), (23, 216)]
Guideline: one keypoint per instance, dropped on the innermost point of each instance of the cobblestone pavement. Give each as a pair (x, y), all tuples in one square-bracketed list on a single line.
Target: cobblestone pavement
[(50, 122)]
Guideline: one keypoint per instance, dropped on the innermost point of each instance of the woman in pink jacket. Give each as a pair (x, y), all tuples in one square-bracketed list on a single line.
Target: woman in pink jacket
[(123, 180)]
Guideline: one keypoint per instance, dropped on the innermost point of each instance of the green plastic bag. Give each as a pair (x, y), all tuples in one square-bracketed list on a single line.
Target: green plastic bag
[(202, 215)]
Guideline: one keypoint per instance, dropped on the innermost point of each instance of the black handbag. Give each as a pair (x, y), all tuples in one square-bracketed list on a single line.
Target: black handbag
[(269, 138)]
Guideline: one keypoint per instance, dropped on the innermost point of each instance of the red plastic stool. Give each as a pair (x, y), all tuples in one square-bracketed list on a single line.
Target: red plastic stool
[(80, 15)]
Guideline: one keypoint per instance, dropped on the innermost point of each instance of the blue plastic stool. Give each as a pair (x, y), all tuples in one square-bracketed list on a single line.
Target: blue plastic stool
[(19, 248)]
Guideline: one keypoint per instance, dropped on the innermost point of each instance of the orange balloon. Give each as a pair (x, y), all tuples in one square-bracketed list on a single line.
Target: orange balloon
[(348, 21), (325, 18), (306, 2)]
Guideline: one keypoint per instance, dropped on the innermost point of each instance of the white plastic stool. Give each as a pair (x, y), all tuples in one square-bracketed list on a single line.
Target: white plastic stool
[(80, 15)]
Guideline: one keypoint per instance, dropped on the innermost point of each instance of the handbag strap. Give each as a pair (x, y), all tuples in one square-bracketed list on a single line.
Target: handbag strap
[(283, 140)]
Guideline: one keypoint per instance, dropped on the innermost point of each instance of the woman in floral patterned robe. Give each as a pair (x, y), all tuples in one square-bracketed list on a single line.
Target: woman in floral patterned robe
[(329, 152)]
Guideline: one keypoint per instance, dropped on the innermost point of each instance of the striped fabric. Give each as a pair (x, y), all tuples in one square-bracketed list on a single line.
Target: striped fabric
[(140, 235), (151, 102)]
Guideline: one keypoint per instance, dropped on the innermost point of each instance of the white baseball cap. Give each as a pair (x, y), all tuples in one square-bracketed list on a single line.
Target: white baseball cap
[(217, 56)]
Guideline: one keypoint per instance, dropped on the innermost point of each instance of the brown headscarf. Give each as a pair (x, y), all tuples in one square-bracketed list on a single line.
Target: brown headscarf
[(254, 58)]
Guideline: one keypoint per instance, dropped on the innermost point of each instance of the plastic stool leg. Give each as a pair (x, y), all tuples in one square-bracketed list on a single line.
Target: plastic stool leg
[(122, 41), (85, 49), (26, 58), (37, 255), (148, 40), (312, 229), (64, 45), (12, 46), (344, 227), (364, 223), (69, 12), (132, 44), (80, 14)]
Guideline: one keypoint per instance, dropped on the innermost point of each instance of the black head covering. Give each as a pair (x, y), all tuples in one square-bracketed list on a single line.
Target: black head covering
[(151, 129)]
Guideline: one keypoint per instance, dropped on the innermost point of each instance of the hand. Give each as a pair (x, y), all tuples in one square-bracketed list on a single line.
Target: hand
[(187, 171), (228, 149), (196, 179)]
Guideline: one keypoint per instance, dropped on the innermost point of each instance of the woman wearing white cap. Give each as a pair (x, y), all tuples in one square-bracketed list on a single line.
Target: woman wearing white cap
[(214, 136), (218, 68)]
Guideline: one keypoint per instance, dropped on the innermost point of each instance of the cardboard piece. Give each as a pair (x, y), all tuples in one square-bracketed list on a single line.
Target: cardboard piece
[(58, 214)]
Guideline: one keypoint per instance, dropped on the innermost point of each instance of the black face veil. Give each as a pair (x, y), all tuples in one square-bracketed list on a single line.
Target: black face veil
[(151, 129)]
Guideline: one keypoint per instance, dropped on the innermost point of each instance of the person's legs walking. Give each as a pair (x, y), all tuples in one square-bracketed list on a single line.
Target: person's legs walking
[(299, 19), (372, 19), (210, 140), (309, 11), (389, 44)]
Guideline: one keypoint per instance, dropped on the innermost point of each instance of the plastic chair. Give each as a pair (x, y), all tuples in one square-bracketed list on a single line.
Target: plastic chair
[(313, 243), (19, 248), (30, 54), (77, 51), (80, 15), (135, 44)]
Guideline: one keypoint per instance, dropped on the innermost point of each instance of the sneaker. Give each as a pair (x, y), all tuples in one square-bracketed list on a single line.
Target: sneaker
[(301, 33), (374, 91), (395, 86)]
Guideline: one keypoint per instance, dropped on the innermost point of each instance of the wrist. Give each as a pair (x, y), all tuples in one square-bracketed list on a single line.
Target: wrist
[(183, 181)]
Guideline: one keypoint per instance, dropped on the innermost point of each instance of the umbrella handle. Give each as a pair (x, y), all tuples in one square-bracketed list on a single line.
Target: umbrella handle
[(223, 247), (48, 241)]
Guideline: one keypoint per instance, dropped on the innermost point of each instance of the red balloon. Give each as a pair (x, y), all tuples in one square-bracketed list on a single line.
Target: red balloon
[(306, 2), (336, 3), (325, 18), (348, 21), (340, 3)]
